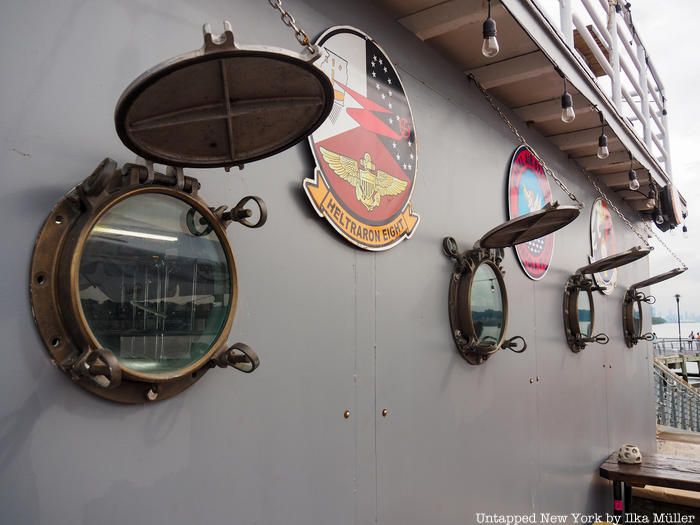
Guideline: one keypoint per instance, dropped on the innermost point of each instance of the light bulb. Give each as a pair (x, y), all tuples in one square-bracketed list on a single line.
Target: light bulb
[(567, 108), (603, 151), (490, 46), (685, 231), (634, 181)]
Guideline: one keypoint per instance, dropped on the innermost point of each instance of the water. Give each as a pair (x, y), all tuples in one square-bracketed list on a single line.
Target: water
[(671, 329)]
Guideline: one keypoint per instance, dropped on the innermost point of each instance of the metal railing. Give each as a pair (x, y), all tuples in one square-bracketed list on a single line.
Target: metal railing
[(631, 80), (677, 403), (670, 346)]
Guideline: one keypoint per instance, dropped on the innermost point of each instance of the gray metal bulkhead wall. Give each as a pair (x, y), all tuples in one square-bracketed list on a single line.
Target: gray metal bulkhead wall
[(336, 328)]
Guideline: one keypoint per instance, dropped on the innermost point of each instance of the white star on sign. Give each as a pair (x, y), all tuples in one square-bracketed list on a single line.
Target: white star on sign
[(383, 96), (374, 58), (380, 61), (391, 120), (385, 70), (410, 143), (410, 167), (411, 155), (372, 64), (377, 85), (390, 93), (389, 104), (388, 80), (404, 165), (374, 74), (398, 157), (393, 145)]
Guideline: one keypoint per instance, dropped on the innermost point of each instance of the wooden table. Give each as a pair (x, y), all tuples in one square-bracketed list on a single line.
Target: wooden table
[(656, 469)]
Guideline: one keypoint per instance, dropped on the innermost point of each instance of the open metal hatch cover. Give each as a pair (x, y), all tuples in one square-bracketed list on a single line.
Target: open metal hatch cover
[(615, 261), (529, 226), (658, 278), (223, 105)]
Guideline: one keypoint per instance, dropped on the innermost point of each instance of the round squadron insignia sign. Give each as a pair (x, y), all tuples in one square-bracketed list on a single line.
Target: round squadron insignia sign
[(603, 243), (365, 151), (528, 191)]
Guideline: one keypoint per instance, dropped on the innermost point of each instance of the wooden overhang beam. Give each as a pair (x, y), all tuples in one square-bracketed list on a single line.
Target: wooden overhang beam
[(581, 139), (513, 70), (446, 17), (551, 109), (621, 179)]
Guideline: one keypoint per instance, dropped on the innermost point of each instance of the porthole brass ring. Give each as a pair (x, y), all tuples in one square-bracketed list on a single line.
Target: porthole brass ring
[(55, 297), (471, 346)]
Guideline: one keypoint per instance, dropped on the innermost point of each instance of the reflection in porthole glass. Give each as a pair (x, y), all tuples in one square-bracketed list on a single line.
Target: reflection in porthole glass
[(487, 305), (153, 293), (584, 313), (637, 318)]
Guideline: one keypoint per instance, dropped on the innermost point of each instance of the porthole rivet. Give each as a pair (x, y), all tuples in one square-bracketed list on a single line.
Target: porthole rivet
[(532, 380), (385, 412), (152, 394), (346, 414), (59, 219)]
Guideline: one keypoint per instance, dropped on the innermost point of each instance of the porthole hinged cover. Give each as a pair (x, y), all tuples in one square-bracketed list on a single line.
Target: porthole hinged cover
[(224, 105)]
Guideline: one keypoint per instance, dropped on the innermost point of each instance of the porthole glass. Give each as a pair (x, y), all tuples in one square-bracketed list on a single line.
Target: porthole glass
[(153, 290), (486, 305), (637, 318), (584, 313)]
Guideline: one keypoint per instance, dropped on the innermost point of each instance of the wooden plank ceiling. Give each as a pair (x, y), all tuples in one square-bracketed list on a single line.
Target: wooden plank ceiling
[(522, 78)]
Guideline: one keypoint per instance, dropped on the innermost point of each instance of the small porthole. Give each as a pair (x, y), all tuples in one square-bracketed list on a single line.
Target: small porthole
[(632, 314), (41, 279), (56, 342), (579, 309), (478, 302)]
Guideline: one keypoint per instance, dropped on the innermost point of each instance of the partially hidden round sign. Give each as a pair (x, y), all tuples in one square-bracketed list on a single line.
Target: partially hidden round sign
[(528, 191), (603, 243), (365, 151)]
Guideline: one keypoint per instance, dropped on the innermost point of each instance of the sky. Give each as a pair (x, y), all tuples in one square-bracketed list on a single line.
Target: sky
[(668, 31)]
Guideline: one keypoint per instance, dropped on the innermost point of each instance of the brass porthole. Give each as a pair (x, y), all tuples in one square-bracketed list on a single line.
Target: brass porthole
[(579, 307), (133, 281), (134, 290), (632, 312), (478, 301)]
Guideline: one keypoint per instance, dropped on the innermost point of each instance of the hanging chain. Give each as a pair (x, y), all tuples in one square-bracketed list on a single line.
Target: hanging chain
[(551, 173), (290, 22), (524, 142), (617, 210), (669, 250)]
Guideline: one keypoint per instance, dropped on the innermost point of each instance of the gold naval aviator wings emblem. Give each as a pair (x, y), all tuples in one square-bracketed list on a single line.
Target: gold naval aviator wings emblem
[(369, 187)]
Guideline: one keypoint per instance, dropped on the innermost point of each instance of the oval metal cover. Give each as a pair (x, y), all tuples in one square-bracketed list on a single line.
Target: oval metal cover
[(529, 226), (658, 278), (615, 261), (223, 105)]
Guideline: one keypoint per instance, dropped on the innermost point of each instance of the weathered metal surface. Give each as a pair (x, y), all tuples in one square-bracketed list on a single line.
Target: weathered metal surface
[(530, 226), (338, 329), (223, 105)]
